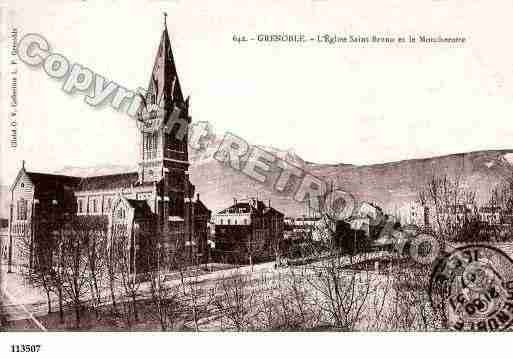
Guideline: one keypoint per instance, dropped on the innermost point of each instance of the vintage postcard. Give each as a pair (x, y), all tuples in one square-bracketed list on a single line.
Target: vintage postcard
[(270, 166)]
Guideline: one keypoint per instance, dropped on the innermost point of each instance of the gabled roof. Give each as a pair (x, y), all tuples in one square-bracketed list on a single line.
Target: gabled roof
[(47, 181), (51, 180), (115, 181), (164, 83), (141, 208), (272, 210), (199, 207), (247, 206), (239, 207)]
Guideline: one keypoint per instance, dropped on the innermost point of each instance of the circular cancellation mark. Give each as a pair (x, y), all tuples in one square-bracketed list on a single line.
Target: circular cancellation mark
[(472, 289)]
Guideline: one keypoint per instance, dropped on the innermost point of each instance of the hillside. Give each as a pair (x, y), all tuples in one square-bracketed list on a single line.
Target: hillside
[(393, 185), (390, 185)]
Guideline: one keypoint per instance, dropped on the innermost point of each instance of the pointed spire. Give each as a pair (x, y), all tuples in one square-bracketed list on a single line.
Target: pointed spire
[(164, 87)]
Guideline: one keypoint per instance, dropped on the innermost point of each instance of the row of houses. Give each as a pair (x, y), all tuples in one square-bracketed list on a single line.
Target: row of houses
[(492, 215)]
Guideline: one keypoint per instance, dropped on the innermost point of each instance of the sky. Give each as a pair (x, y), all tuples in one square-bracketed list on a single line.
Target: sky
[(345, 103)]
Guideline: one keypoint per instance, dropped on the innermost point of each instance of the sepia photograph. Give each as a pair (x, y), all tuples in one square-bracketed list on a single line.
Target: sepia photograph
[(304, 167)]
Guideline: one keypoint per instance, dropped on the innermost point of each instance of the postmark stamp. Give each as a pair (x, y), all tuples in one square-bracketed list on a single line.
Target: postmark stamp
[(472, 288)]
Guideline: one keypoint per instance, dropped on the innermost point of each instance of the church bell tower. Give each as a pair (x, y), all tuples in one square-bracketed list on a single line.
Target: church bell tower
[(163, 122)]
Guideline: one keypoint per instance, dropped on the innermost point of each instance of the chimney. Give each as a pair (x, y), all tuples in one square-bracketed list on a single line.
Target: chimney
[(234, 200), (197, 196), (269, 203)]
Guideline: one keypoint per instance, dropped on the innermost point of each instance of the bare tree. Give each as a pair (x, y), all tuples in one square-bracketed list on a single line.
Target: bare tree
[(36, 260), (501, 199), (109, 259), (124, 249), (95, 239), (378, 299), (453, 207), (409, 306), (325, 293), (236, 301), (268, 318), (166, 300), (340, 294), (75, 274), (194, 300), (295, 305), (57, 272)]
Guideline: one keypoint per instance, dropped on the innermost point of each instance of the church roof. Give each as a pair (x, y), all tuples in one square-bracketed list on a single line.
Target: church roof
[(164, 83), (115, 181), (51, 180), (142, 210)]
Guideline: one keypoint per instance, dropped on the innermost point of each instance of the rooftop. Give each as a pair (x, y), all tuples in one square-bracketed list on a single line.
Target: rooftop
[(120, 180)]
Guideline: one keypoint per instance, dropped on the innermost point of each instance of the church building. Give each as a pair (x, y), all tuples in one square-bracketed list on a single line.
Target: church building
[(159, 194)]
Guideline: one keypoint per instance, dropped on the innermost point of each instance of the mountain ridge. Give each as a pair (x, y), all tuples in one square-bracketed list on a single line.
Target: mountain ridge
[(391, 185)]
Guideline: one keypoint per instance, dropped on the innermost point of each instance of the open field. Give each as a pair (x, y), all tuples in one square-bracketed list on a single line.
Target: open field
[(339, 293)]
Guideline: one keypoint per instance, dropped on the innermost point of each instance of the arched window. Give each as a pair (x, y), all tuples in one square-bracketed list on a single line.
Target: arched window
[(22, 209)]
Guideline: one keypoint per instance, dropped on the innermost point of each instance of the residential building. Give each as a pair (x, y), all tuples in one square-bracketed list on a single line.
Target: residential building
[(248, 230)]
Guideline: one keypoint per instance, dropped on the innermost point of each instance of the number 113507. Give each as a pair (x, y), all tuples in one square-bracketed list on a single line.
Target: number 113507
[(25, 348)]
